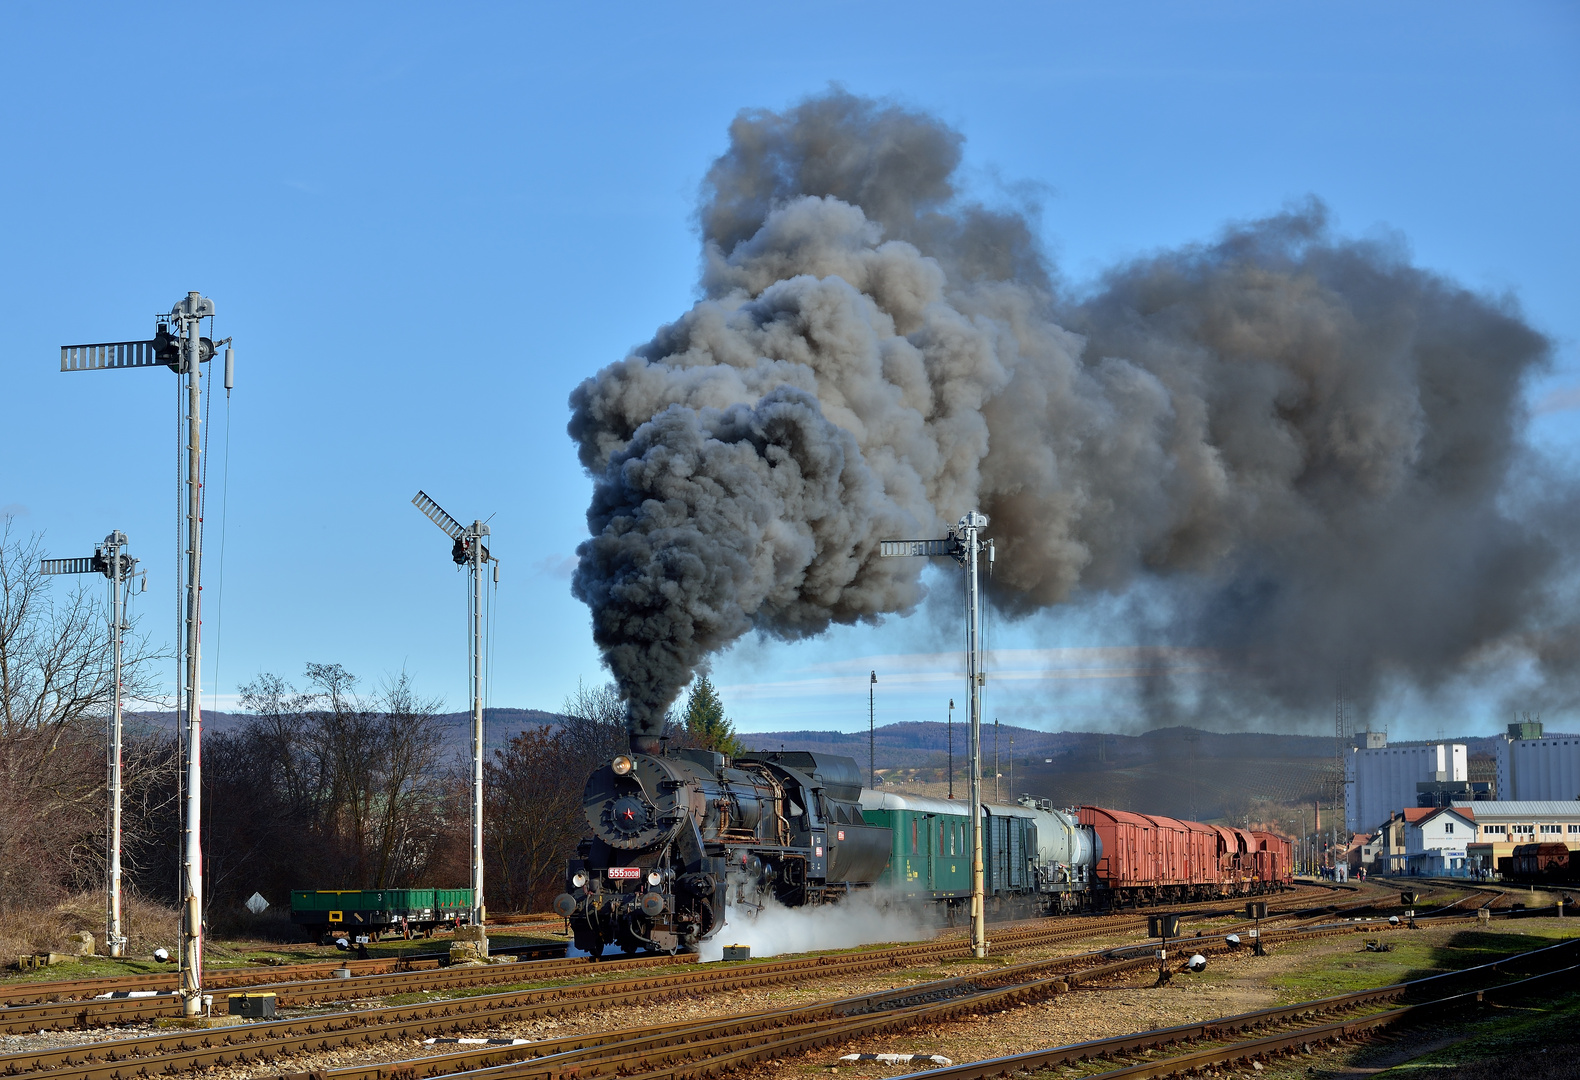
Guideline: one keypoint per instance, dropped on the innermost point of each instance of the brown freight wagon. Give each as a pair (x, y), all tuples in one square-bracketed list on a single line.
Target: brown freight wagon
[(1540, 861)]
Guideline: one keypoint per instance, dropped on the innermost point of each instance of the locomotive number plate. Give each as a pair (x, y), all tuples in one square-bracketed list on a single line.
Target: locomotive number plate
[(624, 873)]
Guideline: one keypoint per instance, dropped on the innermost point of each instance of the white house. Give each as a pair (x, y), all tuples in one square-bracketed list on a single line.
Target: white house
[(1435, 840)]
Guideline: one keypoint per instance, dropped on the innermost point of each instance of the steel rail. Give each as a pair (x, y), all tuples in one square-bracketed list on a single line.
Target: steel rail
[(259, 976), (237, 978), (218, 1046), (127, 1057), (160, 1053), (99, 1012), (720, 1051), (1249, 1049), (219, 979)]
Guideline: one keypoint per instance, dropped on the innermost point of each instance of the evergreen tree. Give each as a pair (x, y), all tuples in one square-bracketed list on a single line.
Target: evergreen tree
[(706, 723)]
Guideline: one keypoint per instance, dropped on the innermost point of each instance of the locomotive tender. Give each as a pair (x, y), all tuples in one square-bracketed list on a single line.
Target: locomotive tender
[(678, 835)]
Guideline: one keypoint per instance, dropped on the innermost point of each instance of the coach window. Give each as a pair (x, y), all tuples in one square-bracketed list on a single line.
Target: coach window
[(914, 843)]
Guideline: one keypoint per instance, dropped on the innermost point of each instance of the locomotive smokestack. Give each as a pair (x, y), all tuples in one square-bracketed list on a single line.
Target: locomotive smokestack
[(1300, 446)]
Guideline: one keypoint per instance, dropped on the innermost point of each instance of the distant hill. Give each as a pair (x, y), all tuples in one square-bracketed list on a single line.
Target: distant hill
[(499, 725), (1178, 772)]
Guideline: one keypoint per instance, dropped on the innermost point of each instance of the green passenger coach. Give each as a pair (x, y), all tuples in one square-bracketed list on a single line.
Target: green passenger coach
[(930, 853)]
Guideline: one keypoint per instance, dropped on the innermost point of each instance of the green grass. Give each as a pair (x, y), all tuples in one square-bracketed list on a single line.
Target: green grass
[(1414, 956), (220, 954)]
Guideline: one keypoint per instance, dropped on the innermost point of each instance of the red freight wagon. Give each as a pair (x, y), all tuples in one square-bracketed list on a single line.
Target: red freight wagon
[(1168, 843), (1539, 861), (1247, 871), (1125, 861), (1274, 863), (1202, 857)]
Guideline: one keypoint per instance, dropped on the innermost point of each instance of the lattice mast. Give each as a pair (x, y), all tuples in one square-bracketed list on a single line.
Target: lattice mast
[(178, 344), (966, 546), (467, 550), (110, 560)]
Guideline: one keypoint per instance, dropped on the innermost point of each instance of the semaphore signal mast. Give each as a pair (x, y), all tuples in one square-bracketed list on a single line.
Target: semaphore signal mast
[(109, 560), (965, 545), (179, 345), (468, 551)]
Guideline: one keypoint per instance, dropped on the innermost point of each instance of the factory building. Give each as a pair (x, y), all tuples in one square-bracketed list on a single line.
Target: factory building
[(1381, 779), (1534, 768)]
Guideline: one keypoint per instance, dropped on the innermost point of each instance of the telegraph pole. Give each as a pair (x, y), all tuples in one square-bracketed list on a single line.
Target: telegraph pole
[(965, 545), (184, 352), (949, 727), (118, 567), (995, 760), (872, 732)]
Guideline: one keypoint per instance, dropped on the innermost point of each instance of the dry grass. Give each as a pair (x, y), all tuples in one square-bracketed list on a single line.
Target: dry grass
[(45, 928)]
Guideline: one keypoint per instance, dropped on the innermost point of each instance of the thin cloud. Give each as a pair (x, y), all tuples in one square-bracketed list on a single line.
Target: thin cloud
[(556, 566), (1563, 399), (1005, 665)]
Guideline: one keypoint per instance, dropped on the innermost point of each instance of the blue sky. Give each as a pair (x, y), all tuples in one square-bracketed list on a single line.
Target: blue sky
[(425, 225)]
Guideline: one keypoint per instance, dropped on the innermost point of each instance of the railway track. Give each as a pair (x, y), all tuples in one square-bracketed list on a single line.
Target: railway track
[(99, 1012), (297, 982), (1298, 1035), (175, 1051), (226, 979), (708, 1048)]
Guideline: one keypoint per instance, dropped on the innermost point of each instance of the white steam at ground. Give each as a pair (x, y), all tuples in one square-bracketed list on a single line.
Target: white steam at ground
[(774, 930)]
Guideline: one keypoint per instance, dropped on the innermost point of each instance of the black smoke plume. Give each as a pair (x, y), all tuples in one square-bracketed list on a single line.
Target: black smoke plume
[(1305, 439)]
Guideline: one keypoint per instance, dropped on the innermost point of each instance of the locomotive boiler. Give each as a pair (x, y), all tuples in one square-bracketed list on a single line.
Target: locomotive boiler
[(677, 835)]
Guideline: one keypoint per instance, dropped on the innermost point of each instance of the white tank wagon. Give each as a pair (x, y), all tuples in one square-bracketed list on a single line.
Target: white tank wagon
[(1067, 852)]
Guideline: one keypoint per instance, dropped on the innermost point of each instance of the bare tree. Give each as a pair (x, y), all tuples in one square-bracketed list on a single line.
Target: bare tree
[(410, 787), (56, 690)]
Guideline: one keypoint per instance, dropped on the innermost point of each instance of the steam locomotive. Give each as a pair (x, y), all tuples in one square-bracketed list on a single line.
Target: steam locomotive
[(679, 835)]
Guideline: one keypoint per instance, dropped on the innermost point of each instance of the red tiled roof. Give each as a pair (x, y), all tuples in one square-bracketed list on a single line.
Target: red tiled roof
[(1415, 814)]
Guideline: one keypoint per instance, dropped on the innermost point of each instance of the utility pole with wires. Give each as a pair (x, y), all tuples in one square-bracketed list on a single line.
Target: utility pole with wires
[(468, 551), (179, 344), (1012, 766), (111, 561), (995, 760), (966, 546), (949, 729), (872, 732)]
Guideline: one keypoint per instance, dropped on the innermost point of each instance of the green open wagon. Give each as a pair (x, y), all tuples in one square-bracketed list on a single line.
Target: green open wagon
[(329, 913)]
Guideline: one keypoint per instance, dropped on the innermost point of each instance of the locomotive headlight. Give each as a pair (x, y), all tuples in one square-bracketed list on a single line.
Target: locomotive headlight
[(655, 878), (579, 878), (621, 765)]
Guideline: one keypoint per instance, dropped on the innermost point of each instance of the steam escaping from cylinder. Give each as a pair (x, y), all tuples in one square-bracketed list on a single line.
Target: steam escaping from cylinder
[(769, 928), (1302, 443)]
